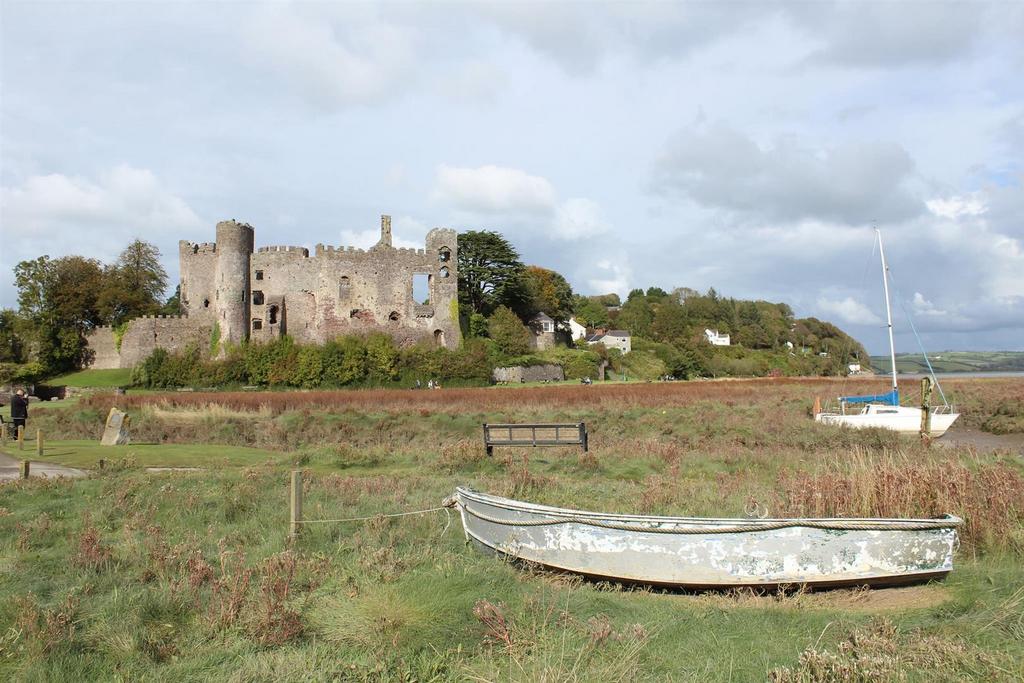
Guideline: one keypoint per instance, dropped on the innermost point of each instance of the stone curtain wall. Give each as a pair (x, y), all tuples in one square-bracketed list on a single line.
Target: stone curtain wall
[(103, 349)]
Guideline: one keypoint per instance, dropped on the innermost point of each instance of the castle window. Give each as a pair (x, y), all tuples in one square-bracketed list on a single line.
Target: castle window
[(259, 274), (206, 303), (421, 288), (257, 324), (195, 248), (257, 298), (273, 315), (344, 288), (439, 337), (444, 271), (393, 316), (444, 254)]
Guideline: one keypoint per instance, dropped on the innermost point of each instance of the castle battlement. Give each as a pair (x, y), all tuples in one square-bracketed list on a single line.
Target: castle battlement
[(283, 248)]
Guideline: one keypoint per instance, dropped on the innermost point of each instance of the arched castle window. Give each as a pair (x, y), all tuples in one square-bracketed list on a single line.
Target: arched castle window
[(444, 271), (257, 298), (393, 316), (439, 337), (273, 315), (444, 254)]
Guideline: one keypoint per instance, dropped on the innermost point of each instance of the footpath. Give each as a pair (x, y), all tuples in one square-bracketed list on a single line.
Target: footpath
[(10, 468)]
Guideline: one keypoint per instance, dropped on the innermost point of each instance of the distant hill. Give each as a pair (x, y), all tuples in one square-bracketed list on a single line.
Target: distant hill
[(954, 361)]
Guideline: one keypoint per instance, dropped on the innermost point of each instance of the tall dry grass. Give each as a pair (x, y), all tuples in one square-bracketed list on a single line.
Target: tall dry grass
[(988, 495)]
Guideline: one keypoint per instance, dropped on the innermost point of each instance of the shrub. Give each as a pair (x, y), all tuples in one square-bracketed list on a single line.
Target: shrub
[(508, 332), (344, 361)]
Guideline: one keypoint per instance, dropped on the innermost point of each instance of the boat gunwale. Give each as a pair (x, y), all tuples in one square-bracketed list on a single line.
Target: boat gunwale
[(513, 505)]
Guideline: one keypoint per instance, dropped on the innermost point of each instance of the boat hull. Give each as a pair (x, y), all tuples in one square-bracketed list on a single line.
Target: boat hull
[(703, 553), (907, 421)]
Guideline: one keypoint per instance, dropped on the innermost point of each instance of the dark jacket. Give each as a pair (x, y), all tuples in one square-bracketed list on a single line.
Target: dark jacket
[(19, 407)]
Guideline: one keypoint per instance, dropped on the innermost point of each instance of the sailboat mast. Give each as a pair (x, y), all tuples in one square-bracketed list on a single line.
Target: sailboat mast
[(888, 309)]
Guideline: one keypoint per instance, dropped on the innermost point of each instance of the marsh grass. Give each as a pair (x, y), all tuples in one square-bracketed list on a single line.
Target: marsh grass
[(190, 576)]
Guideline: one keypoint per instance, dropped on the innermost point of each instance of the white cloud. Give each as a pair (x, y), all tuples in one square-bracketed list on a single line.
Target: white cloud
[(924, 307), (122, 198), (364, 239), (717, 166), (335, 56), (955, 207), (610, 276), (579, 217), (848, 310), (494, 190)]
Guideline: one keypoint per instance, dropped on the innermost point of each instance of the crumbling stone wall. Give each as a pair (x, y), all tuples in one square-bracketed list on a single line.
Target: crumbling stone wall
[(518, 374), (103, 349), (174, 333), (345, 290)]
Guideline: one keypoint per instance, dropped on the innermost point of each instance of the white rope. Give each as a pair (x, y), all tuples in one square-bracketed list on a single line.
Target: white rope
[(366, 519)]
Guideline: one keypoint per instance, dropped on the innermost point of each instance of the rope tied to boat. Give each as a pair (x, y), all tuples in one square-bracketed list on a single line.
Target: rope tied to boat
[(851, 525), (443, 508)]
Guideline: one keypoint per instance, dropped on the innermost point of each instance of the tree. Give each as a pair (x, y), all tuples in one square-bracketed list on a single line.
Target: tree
[(589, 312), (548, 292), (670, 323), (508, 332), (59, 300), (636, 315), (490, 273), (134, 285), (12, 344)]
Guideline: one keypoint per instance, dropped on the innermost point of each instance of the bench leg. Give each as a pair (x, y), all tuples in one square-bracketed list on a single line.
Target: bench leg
[(490, 450)]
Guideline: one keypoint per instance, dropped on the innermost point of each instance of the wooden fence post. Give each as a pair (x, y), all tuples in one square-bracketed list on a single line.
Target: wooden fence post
[(926, 409), (39, 442), (296, 504), (817, 405), (21, 437), (24, 469)]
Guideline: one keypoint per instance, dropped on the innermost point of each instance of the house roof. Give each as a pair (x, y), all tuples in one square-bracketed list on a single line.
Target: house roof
[(595, 337), (617, 333), (542, 317)]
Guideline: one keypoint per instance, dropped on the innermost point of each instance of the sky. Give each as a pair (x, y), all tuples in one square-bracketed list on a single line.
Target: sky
[(745, 146)]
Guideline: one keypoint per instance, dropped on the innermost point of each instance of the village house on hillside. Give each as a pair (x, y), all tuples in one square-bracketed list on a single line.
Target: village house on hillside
[(575, 330), (716, 339), (613, 339), (543, 327)]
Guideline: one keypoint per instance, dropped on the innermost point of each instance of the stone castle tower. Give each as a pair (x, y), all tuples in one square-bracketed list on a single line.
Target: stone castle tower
[(233, 293)]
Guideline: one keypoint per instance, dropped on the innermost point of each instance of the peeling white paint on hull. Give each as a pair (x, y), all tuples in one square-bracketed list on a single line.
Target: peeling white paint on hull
[(712, 553)]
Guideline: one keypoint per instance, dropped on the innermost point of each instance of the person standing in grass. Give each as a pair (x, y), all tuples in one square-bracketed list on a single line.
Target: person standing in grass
[(19, 409)]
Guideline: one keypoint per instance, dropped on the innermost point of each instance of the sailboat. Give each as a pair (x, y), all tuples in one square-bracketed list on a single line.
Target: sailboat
[(884, 410)]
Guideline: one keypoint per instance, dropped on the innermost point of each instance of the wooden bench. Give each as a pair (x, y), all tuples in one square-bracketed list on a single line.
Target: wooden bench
[(564, 434)]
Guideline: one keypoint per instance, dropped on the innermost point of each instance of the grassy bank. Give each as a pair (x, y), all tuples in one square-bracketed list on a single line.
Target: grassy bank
[(190, 575)]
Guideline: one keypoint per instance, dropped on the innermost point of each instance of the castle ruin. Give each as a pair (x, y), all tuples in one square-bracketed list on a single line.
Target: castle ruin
[(231, 293)]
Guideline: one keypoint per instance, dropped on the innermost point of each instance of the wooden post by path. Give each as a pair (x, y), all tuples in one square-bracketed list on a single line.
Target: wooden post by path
[(21, 437), (296, 504), (39, 443), (817, 405), (926, 409), (24, 469)]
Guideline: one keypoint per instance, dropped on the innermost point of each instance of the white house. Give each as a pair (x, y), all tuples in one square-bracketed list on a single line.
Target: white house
[(613, 339), (576, 331), (854, 368), (716, 339)]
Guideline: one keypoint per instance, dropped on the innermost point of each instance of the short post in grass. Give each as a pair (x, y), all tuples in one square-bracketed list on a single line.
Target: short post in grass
[(24, 469), (21, 437), (926, 409), (296, 504), (39, 442)]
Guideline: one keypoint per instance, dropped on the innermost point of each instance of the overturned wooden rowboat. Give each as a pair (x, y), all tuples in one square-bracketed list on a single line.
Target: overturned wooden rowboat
[(699, 553)]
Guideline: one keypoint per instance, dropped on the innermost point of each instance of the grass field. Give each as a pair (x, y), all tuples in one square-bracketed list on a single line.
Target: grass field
[(190, 575), (100, 379)]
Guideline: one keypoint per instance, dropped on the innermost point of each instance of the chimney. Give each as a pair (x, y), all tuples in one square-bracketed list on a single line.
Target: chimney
[(385, 231)]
